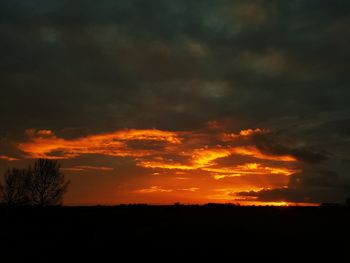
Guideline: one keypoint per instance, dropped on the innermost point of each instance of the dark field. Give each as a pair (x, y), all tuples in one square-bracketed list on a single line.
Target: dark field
[(178, 230)]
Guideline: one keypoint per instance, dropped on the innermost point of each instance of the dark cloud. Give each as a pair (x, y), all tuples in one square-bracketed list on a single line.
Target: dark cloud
[(320, 186), (279, 195), (268, 145), (320, 146), (305, 195), (102, 62)]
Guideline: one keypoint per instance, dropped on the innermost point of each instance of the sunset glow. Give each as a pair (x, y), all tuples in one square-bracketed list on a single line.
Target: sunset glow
[(179, 101), (235, 164)]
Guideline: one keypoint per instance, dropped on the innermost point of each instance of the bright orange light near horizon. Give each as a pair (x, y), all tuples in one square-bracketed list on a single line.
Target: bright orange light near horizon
[(277, 203), (204, 166)]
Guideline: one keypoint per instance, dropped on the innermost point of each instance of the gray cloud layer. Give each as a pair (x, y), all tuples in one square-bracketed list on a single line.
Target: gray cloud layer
[(102, 65)]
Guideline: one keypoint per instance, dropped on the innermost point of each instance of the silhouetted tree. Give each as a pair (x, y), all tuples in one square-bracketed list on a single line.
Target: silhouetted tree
[(14, 190), (47, 184)]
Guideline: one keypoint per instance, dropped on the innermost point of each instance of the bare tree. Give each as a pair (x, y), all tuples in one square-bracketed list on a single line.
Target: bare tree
[(14, 190), (47, 184)]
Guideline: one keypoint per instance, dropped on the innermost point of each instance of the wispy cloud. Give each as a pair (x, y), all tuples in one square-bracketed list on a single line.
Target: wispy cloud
[(153, 189), (8, 158), (80, 168)]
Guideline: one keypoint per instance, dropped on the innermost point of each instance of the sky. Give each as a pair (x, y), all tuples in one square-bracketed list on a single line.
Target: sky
[(191, 101)]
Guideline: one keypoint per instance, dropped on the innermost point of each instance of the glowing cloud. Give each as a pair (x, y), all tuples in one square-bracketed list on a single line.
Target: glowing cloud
[(243, 134), (249, 168), (45, 144), (165, 165), (181, 163), (192, 189), (88, 168), (153, 189), (8, 158), (254, 152), (204, 157)]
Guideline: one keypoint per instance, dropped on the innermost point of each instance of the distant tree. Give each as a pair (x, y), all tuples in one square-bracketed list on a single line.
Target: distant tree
[(47, 183), (14, 189)]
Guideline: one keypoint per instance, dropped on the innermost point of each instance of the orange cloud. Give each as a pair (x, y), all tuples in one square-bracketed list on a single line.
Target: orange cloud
[(204, 157), (159, 189), (250, 132), (183, 165), (226, 137), (192, 189), (42, 132), (254, 152), (88, 168), (8, 158), (153, 189), (45, 144), (249, 168), (165, 165)]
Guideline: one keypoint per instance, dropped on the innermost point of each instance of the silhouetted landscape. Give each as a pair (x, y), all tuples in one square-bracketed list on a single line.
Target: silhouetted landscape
[(177, 229)]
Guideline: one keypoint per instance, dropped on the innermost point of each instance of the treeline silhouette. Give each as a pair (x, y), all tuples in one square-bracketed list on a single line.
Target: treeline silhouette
[(41, 185)]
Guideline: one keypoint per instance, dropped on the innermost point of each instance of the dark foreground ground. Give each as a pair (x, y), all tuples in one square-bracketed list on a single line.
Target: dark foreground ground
[(149, 231)]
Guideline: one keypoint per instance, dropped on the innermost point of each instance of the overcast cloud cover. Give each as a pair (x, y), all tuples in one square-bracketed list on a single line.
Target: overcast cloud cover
[(84, 67)]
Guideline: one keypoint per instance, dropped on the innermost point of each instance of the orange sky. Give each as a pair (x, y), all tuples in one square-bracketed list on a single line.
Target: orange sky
[(157, 166)]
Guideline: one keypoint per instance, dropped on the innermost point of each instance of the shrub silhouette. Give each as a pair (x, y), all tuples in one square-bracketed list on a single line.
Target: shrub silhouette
[(14, 190), (42, 185)]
